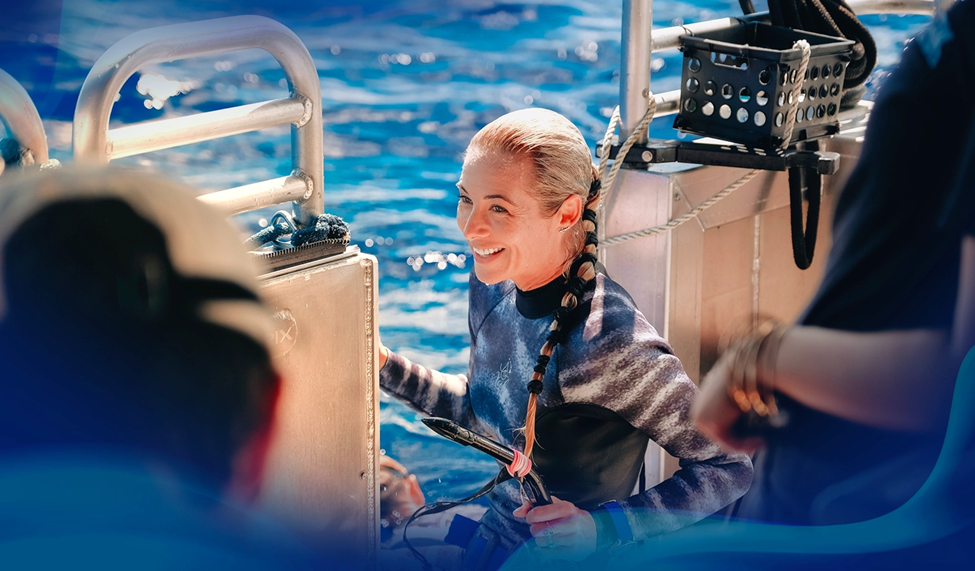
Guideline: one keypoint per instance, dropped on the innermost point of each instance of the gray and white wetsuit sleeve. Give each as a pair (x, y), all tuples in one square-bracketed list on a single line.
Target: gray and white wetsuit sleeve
[(644, 383), (427, 391)]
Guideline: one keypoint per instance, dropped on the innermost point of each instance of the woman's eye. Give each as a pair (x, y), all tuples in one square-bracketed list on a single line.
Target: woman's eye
[(496, 208), (461, 199)]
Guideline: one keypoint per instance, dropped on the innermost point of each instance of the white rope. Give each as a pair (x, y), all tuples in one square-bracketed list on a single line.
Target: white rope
[(790, 118), (609, 179), (684, 217)]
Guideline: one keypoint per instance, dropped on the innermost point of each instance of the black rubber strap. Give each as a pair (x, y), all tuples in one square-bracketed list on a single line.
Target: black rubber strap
[(804, 243)]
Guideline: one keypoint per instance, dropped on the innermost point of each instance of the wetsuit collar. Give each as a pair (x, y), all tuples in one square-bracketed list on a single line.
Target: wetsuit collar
[(541, 301)]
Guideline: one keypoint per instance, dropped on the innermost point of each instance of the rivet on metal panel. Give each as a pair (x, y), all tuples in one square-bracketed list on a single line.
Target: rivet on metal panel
[(309, 183), (647, 156), (676, 197), (362, 475), (306, 103)]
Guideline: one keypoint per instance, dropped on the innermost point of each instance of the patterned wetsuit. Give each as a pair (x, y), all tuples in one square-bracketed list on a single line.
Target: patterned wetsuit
[(611, 385)]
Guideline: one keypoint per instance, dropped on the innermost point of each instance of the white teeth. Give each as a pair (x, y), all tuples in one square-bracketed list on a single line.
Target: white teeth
[(488, 252)]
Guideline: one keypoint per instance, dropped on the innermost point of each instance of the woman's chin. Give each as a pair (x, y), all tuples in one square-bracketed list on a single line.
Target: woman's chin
[(487, 276)]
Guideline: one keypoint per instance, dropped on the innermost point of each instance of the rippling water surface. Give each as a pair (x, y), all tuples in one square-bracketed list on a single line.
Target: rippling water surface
[(405, 85)]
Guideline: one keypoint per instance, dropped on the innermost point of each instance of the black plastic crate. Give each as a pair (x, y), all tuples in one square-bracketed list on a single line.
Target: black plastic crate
[(736, 84)]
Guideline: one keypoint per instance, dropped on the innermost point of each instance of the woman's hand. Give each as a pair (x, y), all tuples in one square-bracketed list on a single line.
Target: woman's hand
[(715, 412), (383, 355), (561, 530)]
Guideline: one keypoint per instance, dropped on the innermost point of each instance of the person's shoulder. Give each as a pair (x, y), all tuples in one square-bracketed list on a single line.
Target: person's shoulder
[(484, 298), (611, 298), (612, 317)]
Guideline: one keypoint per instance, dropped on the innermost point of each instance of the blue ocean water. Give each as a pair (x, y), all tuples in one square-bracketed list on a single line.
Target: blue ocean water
[(405, 85)]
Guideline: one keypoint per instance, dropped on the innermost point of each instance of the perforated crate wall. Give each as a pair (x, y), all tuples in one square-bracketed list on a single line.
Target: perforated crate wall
[(736, 84)]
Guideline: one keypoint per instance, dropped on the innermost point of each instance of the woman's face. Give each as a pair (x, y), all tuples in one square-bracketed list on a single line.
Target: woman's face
[(509, 235)]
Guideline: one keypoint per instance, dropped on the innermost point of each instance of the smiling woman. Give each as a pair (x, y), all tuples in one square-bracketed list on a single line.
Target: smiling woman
[(600, 381), (512, 237)]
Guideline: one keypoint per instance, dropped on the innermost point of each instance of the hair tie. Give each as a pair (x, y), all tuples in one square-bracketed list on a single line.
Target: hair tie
[(576, 286), (592, 239), (535, 387), (594, 188), (584, 258), (520, 465), (590, 215), (555, 336)]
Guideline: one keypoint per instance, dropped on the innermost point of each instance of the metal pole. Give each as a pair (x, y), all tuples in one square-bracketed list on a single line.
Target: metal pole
[(183, 41), (635, 64), (166, 133), (19, 114)]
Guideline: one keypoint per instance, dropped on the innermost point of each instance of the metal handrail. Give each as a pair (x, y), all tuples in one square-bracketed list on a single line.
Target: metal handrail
[(20, 116), (95, 143), (637, 49)]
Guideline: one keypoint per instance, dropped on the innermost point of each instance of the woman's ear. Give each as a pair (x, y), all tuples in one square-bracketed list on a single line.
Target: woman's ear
[(570, 212)]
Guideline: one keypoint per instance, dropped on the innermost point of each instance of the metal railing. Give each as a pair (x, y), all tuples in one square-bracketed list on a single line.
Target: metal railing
[(21, 118), (640, 42), (95, 143)]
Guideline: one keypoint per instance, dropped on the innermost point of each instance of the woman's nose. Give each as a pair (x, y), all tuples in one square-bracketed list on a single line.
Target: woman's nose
[(472, 225)]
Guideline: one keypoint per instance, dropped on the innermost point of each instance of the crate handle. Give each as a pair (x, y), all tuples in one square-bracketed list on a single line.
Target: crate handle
[(730, 60)]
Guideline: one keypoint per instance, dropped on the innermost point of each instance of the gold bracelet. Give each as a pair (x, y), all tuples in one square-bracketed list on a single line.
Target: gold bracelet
[(736, 382), (769, 354), (756, 341)]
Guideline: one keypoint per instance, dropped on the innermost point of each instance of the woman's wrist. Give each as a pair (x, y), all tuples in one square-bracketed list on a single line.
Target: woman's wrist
[(383, 356)]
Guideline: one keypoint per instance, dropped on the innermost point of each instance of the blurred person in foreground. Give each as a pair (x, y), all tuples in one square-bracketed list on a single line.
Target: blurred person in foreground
[(137, 388), (863, 382)]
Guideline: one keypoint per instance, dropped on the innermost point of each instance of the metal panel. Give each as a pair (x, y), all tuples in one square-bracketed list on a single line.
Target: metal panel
[(324, 459)]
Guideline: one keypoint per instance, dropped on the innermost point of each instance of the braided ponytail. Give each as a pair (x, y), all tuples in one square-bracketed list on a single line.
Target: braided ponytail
[(581, 274)]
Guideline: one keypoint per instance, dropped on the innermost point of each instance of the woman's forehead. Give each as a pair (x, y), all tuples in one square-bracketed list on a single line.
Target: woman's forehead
[(489, 169)]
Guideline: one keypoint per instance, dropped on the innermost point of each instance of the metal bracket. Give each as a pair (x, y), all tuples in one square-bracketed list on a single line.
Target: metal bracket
[(309, 109), (309, 184), (728, 155)]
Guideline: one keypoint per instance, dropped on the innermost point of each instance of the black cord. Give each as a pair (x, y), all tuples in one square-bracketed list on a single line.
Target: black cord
[(833, 18), (437, 507)]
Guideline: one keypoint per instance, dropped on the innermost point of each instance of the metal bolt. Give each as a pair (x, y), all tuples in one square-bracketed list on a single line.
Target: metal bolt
[(362, 475), (647, 156), (676, 197)]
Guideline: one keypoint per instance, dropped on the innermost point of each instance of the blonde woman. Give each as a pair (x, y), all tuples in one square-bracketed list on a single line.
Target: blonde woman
[(564, 367)]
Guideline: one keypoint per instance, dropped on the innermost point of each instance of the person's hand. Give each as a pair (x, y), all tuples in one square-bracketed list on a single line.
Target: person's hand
[(715, 413), (561, 530), (383, 355)]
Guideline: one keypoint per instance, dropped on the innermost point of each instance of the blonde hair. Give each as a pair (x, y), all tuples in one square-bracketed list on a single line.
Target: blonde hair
[(561, 166)]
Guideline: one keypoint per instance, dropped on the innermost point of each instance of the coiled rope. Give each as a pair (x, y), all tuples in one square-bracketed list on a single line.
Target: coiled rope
[(790, 118)]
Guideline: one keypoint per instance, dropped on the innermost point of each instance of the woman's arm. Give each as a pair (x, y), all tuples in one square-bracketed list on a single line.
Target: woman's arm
[(900, 380), (427, 391)]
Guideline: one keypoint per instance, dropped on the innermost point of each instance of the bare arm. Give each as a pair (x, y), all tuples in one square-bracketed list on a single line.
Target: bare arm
[(894, 379), (901, 380)]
